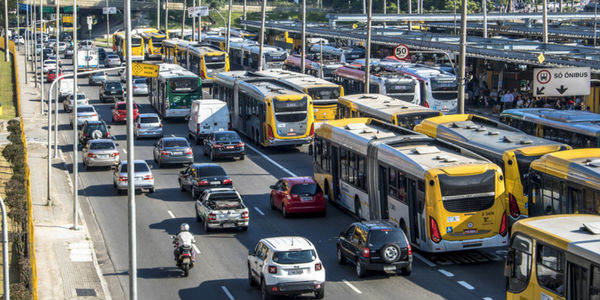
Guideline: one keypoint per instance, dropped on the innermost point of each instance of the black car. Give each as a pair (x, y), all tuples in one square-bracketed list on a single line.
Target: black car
[(375, 245), (93, 130), (101, 55), (199, 177), (111, 90), (47, 52), (224, 144), (69, 52)]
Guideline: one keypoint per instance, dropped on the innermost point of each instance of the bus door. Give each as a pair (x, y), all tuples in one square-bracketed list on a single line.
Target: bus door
[(539, 130), (574, 201), (383, 192), (335, 172), (412, 210), (535, 207)]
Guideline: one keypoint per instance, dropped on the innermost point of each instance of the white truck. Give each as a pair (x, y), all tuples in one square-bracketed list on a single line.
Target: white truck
[(65, 88), (87, 59)]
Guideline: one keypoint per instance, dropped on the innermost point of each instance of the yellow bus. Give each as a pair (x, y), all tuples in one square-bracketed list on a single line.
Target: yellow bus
[(137, 46), (445, 198), (383, 108), (203, 59), (511, 149), (169, 51), (565, 182), (152, 44), (266, 111), (554, 257)]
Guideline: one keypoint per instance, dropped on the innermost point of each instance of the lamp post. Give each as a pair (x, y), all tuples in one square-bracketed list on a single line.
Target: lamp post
[(367, 88), (262, 35), (75, 133), (303, 55), (463, 57), (5, 262)]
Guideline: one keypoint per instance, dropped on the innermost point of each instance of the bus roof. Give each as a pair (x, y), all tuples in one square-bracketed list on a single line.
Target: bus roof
[(267, 87), (579, 165), (584, 122), (176, 74), (152, 34), (204, 48), (296, 80), (383, 106), (564, 231), (489, 136), (254, 48), (165, 67)]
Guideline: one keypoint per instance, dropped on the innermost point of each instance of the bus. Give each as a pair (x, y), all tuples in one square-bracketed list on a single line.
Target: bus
[(445, 198), (511, 149), (172, 92), (312, 66), (273, 57), (264, 110), (202, 59), (153, 44), (169, 51), (565, 182), (554, 257), (341, 55), (383, 108), (236, 50), (580, 129), (137, 46)]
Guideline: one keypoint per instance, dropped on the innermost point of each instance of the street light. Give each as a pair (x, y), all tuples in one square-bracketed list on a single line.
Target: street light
[(5, 262)]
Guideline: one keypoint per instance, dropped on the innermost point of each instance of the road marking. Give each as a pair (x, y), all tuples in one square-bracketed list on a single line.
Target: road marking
[(171, 214), (466, 285), (487, 298), (125, 151), (196, 249), (351, 286), (425, 260), (448, 274), (272, 161), (259, 211), (229, 295)]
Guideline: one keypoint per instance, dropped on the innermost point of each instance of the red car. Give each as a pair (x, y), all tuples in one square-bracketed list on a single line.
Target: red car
[(297, 195), (51, 76), (119, 112)]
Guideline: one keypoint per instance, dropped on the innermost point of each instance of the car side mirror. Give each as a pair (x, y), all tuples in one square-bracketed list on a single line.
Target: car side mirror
[(273, 187), (251, 252), (310, 150), (114, 167)]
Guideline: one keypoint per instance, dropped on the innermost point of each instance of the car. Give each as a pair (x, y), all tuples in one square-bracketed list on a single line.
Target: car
[(85, 43), (93, 130), (66, 36), (53, 74), (287, 265), (222, 208), (97, 78), (119, 112), (173, 150), (84, 113), (38, 49), (53, 57), (112, 60), (375, 245), (46, 52), (51, 43), (140, 87), (224, 144), (48, 64), (68, 103), (143, 176), (69, 52), (19, 40), (100, 153), (297, 195), (123, 74), (101, 55), (148, 125), (201, 176), (62, 46), (111, 90)]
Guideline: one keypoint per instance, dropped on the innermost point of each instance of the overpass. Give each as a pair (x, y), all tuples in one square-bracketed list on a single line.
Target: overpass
[(99, 4)]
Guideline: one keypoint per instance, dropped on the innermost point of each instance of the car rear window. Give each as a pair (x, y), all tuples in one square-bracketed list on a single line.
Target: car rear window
[(121, 106), (139, 167), (380, 237), (140, 81), (176, 143), (294, 257), (210, 171), (226, 136), (305, 189), (113, 86), (85, 109), (80, 96), (102, 146), (149, 120)]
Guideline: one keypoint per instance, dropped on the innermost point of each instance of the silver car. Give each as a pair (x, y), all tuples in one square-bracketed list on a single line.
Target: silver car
[(68, 103), (139, 86), (148, 125), (100, 153), (84, 113), (143, 176), (97, 78), (173, 150), (62, 46), (112, 60)]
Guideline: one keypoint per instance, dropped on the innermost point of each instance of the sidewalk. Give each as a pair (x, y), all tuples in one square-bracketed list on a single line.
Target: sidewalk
[(67, 267)]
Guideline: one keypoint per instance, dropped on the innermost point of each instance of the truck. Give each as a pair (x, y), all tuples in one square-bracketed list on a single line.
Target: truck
[(65, 88), (87, 59), (222, 208)]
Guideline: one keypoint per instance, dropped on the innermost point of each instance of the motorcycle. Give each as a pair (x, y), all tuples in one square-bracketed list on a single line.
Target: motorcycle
[(184, 259)]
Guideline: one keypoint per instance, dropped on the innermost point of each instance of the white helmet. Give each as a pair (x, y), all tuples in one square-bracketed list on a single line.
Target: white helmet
[(184, 227)]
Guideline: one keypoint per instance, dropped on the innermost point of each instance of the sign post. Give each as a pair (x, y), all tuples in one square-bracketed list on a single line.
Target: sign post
[(108, 11), (90, 20), (561, 82), (401, 52)]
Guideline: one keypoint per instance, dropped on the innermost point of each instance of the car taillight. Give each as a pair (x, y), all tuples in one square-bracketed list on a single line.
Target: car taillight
[(273, 269), (270, 133), (91, 155), (409, 249), (435, 232), (148, 177), (202, 182), (93, 115), (164, 152), (503, 229), (122, 178), (115, 154), (135, 86), (107, 134), (245, 215), (366, 252), (512, 205), (227, 181), (139, 126), (189, 151), (318, 267), (160, 125), (312, 129), (228, 126), (212, 217), (241, 145)]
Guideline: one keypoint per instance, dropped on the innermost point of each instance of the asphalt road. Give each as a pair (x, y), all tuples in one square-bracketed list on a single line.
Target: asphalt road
[(220, 271)]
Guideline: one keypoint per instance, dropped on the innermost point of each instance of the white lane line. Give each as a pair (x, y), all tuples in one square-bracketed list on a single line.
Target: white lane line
[(448, 274), (171, 214), (351, 286), (259, 211), (425, 260), (272, 161), (196, 249), (125, 151), (229, 295), (466, 285), (487, 298)]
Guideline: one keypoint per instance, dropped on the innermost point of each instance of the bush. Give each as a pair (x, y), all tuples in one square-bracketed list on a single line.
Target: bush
[(19, 291)]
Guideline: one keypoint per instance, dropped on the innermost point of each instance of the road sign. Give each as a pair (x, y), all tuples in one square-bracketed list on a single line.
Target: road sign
[(109, 10), (198, 11), (558, 82), (69, 9), (48, 9), (541, 58), (67, 19), (401, 51), (144, 70)]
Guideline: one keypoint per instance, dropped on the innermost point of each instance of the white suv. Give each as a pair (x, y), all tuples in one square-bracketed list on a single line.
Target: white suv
[(286, 265)]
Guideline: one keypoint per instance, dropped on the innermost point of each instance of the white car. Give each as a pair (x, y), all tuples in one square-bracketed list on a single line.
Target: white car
[(49, 64), (84, 113), (19, 40), (286, 265), (62, 46), (68, 103)]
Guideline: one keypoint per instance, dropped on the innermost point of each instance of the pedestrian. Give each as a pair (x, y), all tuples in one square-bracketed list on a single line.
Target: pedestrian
[(570, 103), (507, 100)]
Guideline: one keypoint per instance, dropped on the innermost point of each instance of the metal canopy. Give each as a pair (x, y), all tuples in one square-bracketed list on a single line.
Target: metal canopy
[(391, 18), (564, 31)]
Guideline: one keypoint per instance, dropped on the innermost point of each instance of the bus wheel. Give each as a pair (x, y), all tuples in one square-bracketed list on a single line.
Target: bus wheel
[(357, 208), (403, 227)]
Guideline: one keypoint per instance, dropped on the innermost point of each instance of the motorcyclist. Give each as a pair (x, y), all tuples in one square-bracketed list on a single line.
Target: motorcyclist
[(184, 238)]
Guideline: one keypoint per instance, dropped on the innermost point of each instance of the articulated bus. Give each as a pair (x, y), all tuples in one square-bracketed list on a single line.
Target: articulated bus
[(273, 57), (511, 149), (443, 197), (580, 129), (172, 92), (237, 55), (565, 182), (169, 51), (264, 110), (341, 55), (152, 44), (312, 66), (554, 257), (383, 108), (202, 59), (137, 46)]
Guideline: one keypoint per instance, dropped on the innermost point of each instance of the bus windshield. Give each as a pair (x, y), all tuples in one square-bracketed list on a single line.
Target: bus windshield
[(291, 111), (157, 42), (275, 56), (444, 89), (136, 42), (215, 61), (468, 193), (184, 85), (324, 93)]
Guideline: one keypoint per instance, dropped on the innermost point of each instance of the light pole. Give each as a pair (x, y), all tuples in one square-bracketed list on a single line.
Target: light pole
[(35, 36), (463, 57), (42, 62), (262, 35), (368, 48), (545, 21), (228, 27), (485, 25), (183, 17), (57, 50), (107, 24), (27, 36), (200, 23), (244, 13), (5, 262), (303, 57), (6, 53), (166, 16), (75, 133), (158, 15)]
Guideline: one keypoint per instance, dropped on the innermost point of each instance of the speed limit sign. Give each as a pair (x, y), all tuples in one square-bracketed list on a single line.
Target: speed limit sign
[(401, 51)]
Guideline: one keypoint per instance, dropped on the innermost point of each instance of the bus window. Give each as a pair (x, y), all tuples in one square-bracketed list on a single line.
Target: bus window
[(318, 151), (519, 263), (551, 196), (325, 162), (352, 168), (550, 269), (392, 190), (362, 173), (577, 281), (595, 283), (344, 164)]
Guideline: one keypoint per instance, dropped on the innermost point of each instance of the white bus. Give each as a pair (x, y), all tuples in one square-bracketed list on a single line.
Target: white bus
[(273, 57)]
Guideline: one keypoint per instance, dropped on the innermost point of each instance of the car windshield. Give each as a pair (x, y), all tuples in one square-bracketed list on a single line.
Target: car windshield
[(149, 120), (294, 257), (210, 171), (112, 56), (140, 81), (121, 106), (380, 237), (102, 146), (305, 189), (139, 167), (227, 136), (85, 109), (176, 143), (80, 97)]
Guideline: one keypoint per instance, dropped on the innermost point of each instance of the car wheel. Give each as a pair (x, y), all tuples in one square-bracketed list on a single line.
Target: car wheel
[(284, 211), (244, 228), (181, 187), (360, 269), (406, 270), (390, 253), (264, 293), (206, 228), (272, 202), (323, 214), (212, 156), (198, 219), (159, 164), (194, 196), (204, 152), (340, 257), (242, 157), (152, 190), (320, 293), (357, 208), (251, 281)]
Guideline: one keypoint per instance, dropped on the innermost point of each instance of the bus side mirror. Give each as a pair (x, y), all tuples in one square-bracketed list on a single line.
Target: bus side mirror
[(510, 261), (310, 150)]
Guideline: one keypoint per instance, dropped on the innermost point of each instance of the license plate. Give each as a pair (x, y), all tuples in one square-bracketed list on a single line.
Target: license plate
[(389, 268), (177, 153), (470, 231), (306, 198), (291, 133), (215, 182), (294, 272), (229, 147), (228, 225), (103, 156), (138, 178)]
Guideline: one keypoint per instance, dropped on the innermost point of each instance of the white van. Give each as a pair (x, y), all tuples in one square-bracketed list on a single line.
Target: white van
[(206, 116), (66, 88)]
